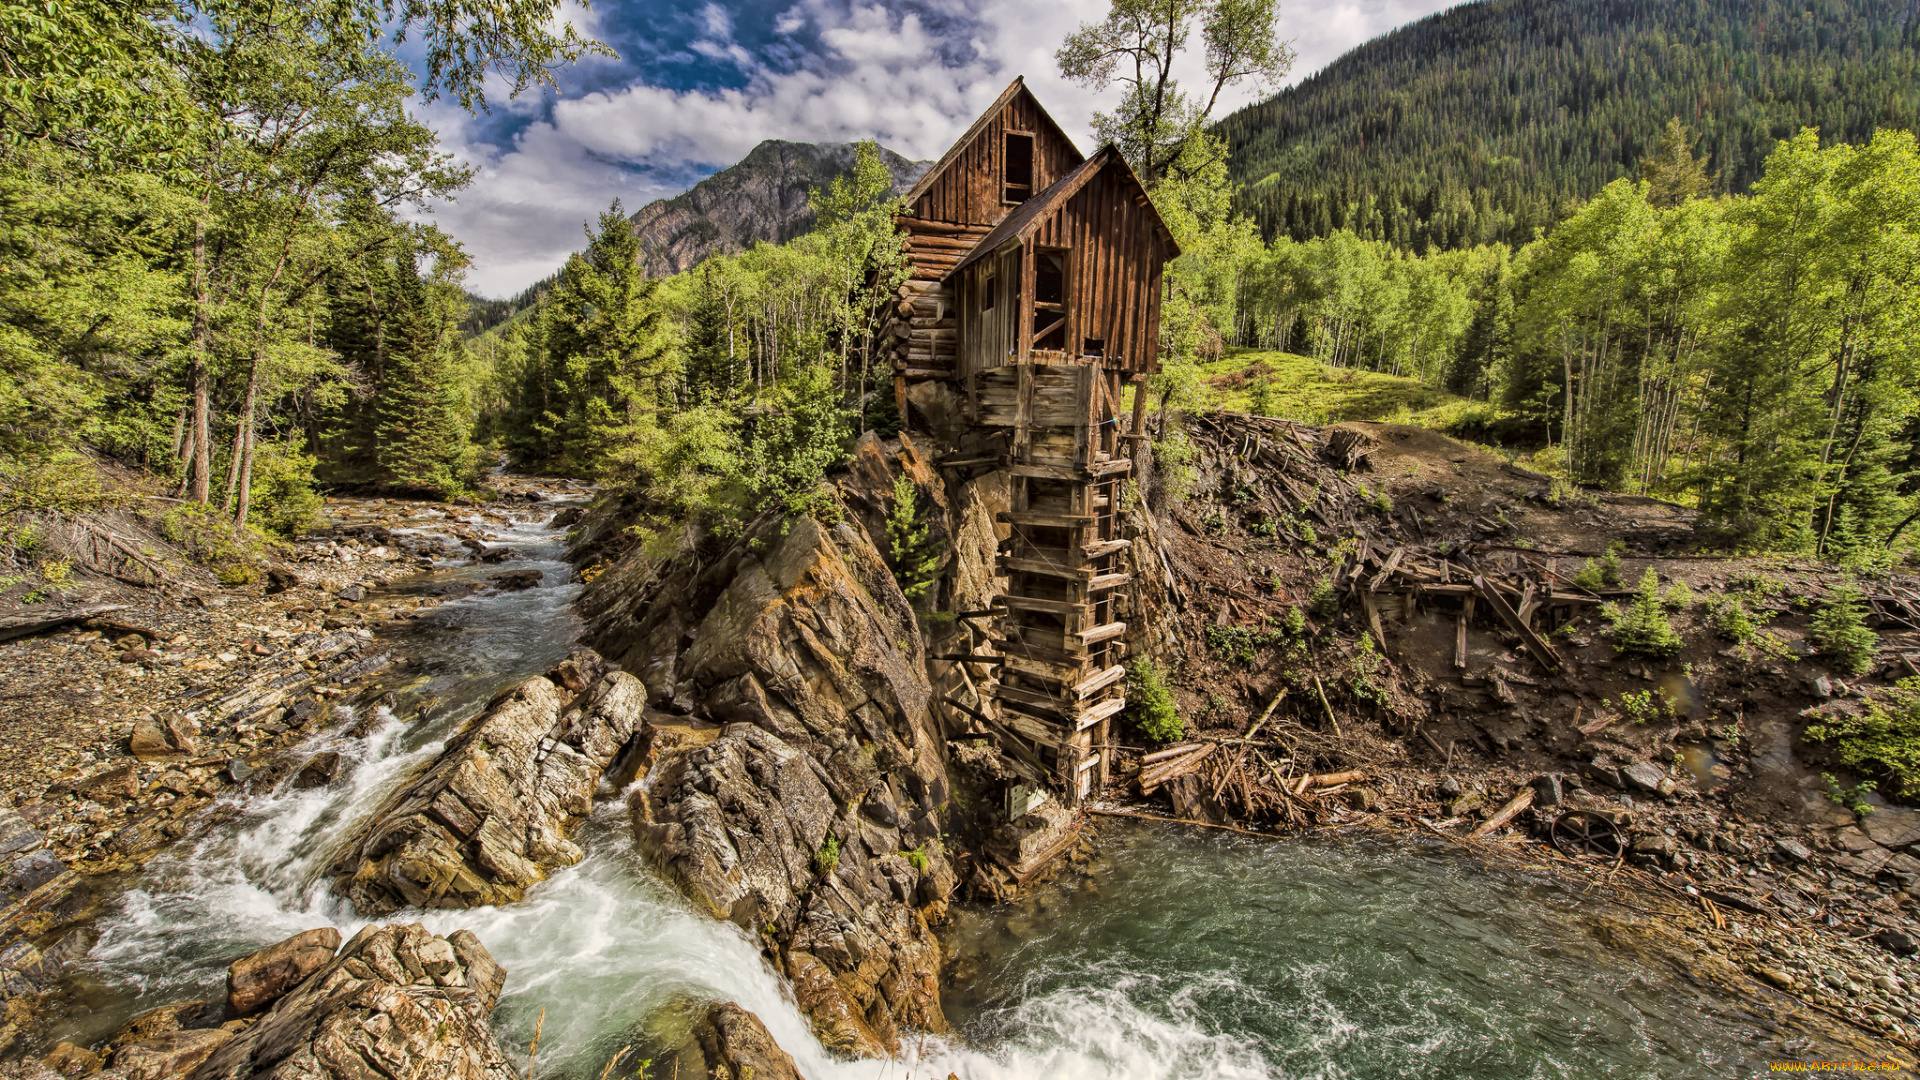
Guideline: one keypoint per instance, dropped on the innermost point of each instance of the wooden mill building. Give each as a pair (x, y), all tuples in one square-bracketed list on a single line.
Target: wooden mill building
[(1035, 298)]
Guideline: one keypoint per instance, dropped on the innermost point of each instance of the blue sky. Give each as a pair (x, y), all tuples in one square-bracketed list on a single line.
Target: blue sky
[(698, 83)]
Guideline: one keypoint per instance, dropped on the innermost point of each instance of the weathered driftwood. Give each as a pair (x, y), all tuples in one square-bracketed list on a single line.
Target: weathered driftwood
[(1506, 813)]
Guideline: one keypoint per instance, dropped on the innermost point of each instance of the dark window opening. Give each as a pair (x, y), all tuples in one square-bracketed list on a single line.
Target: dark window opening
[(986, 293), (1017, 170), (1049, 277), (1093, 346)]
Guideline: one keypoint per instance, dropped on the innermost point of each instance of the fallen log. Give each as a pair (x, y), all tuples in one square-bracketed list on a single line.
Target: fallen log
[(1173, 769), (1352, 776), (1506, 813), (38, 622), (1170, 752)]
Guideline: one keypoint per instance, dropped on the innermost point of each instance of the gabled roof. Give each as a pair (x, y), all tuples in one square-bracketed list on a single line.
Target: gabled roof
[(1027, 217), (1014, 89)]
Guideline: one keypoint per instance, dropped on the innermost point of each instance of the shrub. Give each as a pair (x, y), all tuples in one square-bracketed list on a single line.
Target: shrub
[(827, 859), (1678, 597), (1729, 618), (205, 535), (1325, 602), (1839, 630), (1884, 737), (1642, 627), (1150, 704), (1601, 573)]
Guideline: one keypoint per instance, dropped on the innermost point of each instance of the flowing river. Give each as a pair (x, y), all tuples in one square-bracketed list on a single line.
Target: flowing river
[(1179, 956)]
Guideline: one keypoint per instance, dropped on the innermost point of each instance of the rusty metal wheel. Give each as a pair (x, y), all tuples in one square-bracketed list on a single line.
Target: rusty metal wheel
[(1584, 832)]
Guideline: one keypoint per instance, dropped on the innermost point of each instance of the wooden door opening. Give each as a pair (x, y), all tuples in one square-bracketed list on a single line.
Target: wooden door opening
[(1050, 299)]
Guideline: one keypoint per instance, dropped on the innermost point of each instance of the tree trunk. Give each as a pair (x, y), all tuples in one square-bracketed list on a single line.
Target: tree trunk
[(243, 449), (201, 466)]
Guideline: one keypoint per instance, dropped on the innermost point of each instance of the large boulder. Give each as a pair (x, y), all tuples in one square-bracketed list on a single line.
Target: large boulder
[(397, 1002), (490, 816), (737, 1046), (262, 978), (812, 816)]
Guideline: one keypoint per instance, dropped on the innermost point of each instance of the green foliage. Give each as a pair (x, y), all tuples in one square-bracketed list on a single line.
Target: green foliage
[(1883, 737), (827, 859), (283, 494), (1678, 597), (1294, 623), (1150, 704), (1173, 472), (916, 555), (1839, 629), (1601, 573), (202, 533), (1853, 798), (1363, 672), (1642, 628), (1729, 619), (917, 858), (1324, 602), (63, 483)]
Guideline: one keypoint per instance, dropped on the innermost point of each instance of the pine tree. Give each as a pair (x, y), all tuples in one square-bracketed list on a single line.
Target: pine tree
[(1673, 175)]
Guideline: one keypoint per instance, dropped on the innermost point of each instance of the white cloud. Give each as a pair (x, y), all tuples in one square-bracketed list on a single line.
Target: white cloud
[(878, 75)]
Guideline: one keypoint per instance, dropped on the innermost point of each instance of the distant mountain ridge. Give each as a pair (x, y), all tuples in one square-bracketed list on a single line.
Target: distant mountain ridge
[(762, 197), (1491, 119)]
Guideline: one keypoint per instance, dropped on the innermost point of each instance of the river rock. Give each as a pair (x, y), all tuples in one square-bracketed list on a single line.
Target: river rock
[(72, 1061), (174, 1054), (376, 1010), (490, 816), (739, 1047), (319, 771), (259, 979), (797, 640), (17, 835), (170, 737), (157, 1022), (516, 580)]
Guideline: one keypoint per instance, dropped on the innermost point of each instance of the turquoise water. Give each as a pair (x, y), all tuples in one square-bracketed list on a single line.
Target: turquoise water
[(1191, 955)]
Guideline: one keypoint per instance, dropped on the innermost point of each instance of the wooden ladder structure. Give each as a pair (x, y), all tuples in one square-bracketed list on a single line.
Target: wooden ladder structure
[(1062, 681)]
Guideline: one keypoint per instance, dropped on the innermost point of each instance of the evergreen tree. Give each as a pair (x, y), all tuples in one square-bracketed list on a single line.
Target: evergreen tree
[(1672, 174)]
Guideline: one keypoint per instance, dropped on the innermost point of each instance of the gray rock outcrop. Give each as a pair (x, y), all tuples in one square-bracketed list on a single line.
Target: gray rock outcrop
[(490, 817)]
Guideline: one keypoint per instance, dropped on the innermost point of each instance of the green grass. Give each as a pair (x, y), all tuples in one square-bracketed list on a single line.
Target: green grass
[(1302, 388)]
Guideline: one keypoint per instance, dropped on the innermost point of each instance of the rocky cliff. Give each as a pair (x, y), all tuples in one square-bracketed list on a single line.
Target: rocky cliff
[(803, 791), (762, 197)]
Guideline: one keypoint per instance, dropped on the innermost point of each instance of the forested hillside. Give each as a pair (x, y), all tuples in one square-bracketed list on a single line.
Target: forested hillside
[(1491, 120)]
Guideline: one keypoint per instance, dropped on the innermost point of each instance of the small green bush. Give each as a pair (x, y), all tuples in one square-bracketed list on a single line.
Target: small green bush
[(1839, 630), (1294, 623), (1150, 704), (827, 859), (1884, 737), (1678, 597), (205, 535), (1601, 573), (1325, 602), (1729, 618), (1642, 627)]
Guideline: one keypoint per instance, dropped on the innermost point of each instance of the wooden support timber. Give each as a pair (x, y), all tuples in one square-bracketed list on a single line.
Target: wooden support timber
[(1063, 683)]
